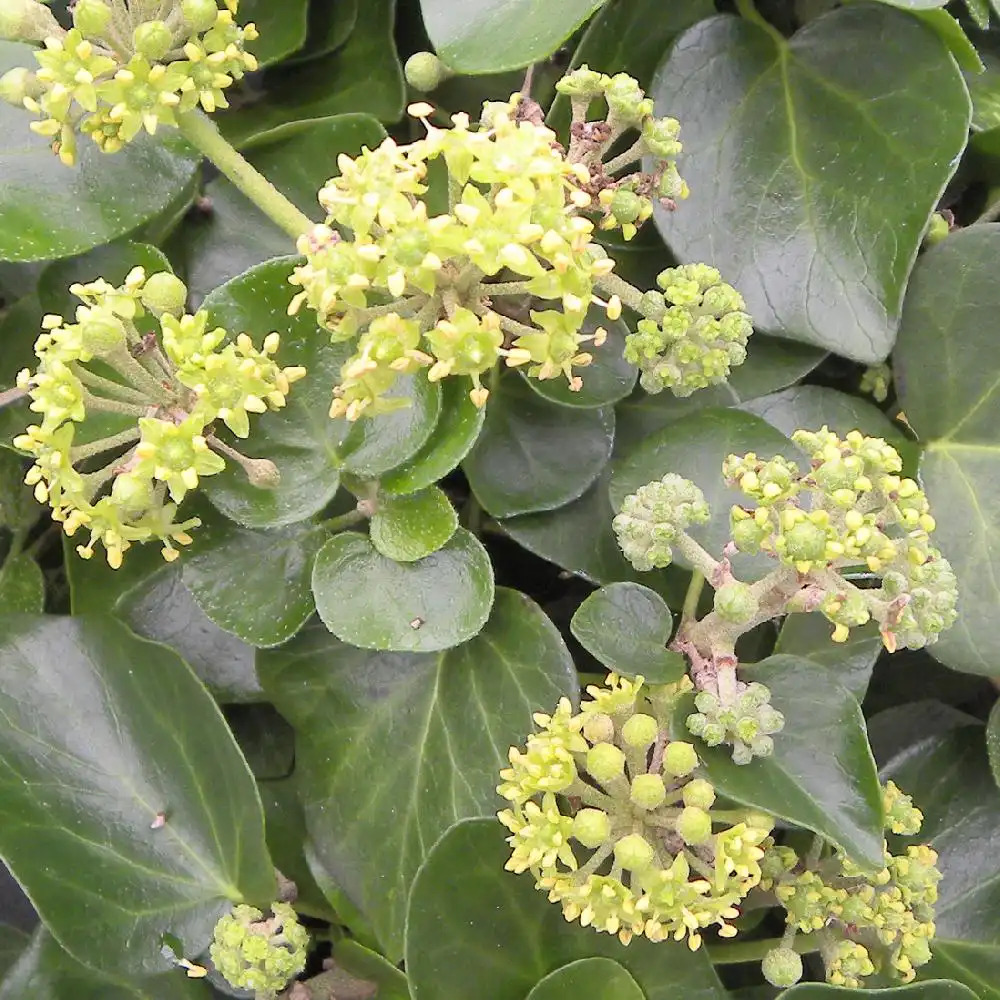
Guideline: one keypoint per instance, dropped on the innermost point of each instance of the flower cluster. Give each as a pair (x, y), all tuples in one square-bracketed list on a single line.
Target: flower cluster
[(748, 721), (110, 385), (866, 924), (693, 333), (127, 67), (614, 822), (253, 953)]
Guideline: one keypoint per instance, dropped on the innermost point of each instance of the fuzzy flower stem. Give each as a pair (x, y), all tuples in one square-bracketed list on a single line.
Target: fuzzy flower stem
[(590, 795), (629, 294), (342, 521), (689, 612), (113, 406), (409, 306), (106, 385), (203, 134), (95, 480), (696, 555), (517, 329), (104, 444), (505, 288), (633, 154), (146, 383), (754, 951)]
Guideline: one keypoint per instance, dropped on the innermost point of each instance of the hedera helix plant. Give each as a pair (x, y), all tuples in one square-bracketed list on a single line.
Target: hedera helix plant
[(266, 763)]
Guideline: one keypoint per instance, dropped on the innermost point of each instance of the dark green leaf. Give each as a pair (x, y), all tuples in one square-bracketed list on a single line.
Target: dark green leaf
[(535, 455), (22, 586), (695, 447), (375, 603), (254, 584), (948, 376), (465, 910), (595, 978), (330, 25), (362, 76), (282, 27), (13, 941), (455, 433), (976, 965), (19, 328), (370, 965), (410, 527), (19, 509), (822, 774), (626, 627), (950, 781), (896, 729), (811, 182), (104, 732), (489, 36), (993, 741), (452, 717), (950, 31), (938, 990), (50, 210)]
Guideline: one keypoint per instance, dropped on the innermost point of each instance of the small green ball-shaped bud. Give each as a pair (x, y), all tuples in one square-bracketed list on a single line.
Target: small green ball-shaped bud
[(652, 304), (805, 542), (591, 827), (680, 759), (599, 728), (648, 791), (27, 21), (102, 333), (17, 84), (694, 825), (747, 533), (626, 206), (640, 730), (782, 967), (425, 72), (92, 17), (735, 602), (605, 762), (937, 229), (698, 793), (152, 39), (582, 82), (164, 292), (200, 15), (634, 853)]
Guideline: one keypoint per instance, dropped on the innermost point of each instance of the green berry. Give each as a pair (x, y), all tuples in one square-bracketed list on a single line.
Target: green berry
[(640, 730), (937, 230), (200, 15), (782, 967), (599, 728), (92, 17), (591, 827), (694, 825), (735, 602), (648, 791), (153, 40), (680, 759), (425, 72), (625, 206), (698, 793), (102, 334), (805, 542), (634, 853), (164, 293), (605, 762)]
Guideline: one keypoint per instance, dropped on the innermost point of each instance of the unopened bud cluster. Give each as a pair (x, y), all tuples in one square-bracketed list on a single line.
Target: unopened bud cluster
[(124, 67), (866, 924), (138, 380), (261, 954), (747, 722), (614, 822)]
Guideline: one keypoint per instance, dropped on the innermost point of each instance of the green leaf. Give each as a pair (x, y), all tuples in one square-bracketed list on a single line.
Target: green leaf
[(938, 990), (453, 436), (950, 31), (300, 439), (373, 602), (595, 978), (410, 527), (993, 741), (950, 781), (50, 210), (895, 729), (984, 88), (850, 663), (822, 774), (948, 377), (695, 447), (465, 910), (533, 454), (976, 965), (282, 27), (787, 147), (452, 717), (116, 730), (370, 965), (254, 584), (363, 76), (234, 235), (608, 379), (489, 36), (46, 972), (13, 941), (626, 627), (19, 327), (22, 586), (330, 25)]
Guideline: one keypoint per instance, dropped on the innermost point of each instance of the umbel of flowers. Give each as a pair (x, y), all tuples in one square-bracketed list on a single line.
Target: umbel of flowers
[(510, 271), (129, 396), (848, 508), (125, 66)]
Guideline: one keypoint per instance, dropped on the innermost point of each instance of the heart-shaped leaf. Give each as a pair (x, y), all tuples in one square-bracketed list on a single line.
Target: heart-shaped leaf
[(627, 626), (452, 717), (410, 527), (595, 978), (811, 182), (149, 810), (373, 602)]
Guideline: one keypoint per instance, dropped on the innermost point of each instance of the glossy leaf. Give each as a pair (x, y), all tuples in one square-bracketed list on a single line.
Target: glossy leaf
[(330, 24), (788, 146), (993, 741), (371, 966), (937, 990), (489, 36), (948, 374), (695, 447), (49, 210), (822, 773), (533, 454), (117, 730), (452, 717), (453, 436), (373, 602), (455, 929), (627, 626), (410, 527), (22, 586), (976, 965), (595, 978), (282, 27)]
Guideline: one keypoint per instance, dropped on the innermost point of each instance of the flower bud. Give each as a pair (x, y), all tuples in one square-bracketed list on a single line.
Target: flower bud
[(605, 762), (599, 728), (694, 825), (634, 853), (262, 473), (591, 827), (648, 791), (17, 84), (425, 72), (27, 21), (102, 333), (937, 230), (805, 542), (582, 82), (782, 967), (200, 15), (698, 793), (164, 293), (152, 39), (735, 602), (625, 206), (92, 17), (640, 730), (259, 954), (679, 759)]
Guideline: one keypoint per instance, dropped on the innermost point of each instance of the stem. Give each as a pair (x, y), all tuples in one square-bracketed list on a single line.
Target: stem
[(629, 294), (10, 396), (102, 445), (754, 951), (113, 406), (142, 380), (94, 381), (342, 521), (749, 12), (634, 153), (203, 134), (697, 556), (689, 611), (505, 288)]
